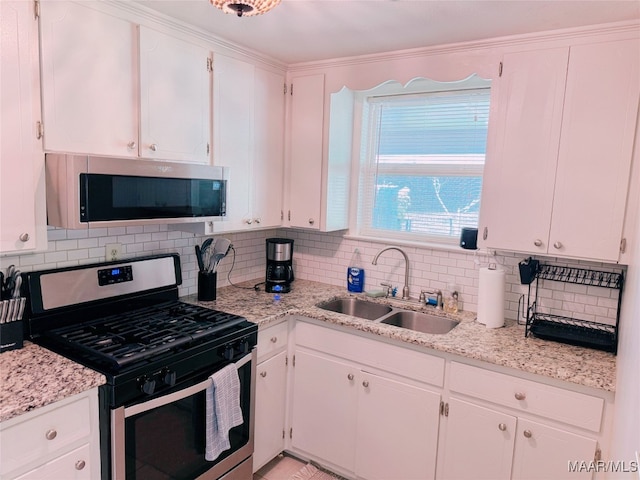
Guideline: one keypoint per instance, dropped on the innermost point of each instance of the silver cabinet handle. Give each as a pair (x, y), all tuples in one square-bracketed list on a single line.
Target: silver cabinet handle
[(132, 145), (557, 245), (520, 396), (502, 427), (51, 434), (257, 220), (153, 147), (485, 233), (537, 242), (527, 433), (350, 376), (263, 374), (274, 339), (365, 384), (80, 464), (311, 221), (248, 221), (24, 237)]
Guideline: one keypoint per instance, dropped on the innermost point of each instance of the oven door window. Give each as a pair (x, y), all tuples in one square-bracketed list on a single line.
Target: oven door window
[(168, 442)]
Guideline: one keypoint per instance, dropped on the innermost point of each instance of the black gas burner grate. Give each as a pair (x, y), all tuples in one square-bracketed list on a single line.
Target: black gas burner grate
[(126, 338)]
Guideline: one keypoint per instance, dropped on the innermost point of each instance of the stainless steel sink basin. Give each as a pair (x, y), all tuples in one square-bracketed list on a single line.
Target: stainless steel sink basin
[(357, 308), (420, 322)]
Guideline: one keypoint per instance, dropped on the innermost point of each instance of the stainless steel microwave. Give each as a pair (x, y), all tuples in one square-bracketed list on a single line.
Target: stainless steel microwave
[(86, 191)]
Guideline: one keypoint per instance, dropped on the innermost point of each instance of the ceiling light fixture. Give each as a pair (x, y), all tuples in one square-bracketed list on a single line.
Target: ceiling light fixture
[(245, 8)]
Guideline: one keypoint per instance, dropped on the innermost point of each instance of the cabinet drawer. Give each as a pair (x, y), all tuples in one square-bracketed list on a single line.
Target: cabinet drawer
[(395, 359), (29, 440), (536, 398), (272, 339), (74, 465)]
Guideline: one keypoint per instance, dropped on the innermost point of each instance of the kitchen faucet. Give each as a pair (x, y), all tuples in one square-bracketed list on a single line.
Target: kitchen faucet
[(405, 289)]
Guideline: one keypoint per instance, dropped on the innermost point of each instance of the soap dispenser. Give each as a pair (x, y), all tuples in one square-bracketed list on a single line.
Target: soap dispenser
[(450, 303)]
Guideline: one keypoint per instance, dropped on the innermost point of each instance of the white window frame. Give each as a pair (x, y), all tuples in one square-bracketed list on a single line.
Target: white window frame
[(360, 226)]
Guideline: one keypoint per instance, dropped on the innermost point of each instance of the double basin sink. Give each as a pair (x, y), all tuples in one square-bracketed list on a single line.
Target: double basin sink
[(417, 321)]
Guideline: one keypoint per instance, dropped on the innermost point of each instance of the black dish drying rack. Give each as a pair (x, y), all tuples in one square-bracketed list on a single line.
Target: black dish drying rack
[(570, 330)]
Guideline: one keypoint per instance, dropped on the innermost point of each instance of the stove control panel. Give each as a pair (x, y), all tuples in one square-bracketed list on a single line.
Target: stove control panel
[(109, 276)]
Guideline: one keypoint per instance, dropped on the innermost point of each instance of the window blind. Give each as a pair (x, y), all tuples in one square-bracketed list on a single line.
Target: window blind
[(422, 163)]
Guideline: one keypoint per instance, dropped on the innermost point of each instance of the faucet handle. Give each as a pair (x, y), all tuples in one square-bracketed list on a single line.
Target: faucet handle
[(388, 289), (423, 297)]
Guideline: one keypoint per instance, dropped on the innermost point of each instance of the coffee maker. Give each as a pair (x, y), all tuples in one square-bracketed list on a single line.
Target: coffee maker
[(279, 265)]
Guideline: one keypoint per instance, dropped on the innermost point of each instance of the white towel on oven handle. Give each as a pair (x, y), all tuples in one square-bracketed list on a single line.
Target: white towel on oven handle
[(223, 411)]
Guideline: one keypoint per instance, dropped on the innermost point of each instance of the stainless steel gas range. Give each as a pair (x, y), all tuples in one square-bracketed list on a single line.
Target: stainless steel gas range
[(159, 356)]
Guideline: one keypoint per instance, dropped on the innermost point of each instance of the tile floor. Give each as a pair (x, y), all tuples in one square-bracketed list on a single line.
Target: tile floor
[(280, 468)]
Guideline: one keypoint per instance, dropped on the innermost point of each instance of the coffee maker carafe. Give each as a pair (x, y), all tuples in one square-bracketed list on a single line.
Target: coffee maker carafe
[(279, 265)]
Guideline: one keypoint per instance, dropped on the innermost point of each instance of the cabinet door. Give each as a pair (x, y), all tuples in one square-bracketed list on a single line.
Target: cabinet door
[(268, 161), (233, 130), (307, 120), (519, 174), (21, 158), (546, 452), (598, 131), (271, 382), (477, 443), (397, 430), (175, 86), (89, 80), (324, 409)]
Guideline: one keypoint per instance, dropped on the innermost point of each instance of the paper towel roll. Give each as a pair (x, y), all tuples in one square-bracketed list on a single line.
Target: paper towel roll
[(491, 297)]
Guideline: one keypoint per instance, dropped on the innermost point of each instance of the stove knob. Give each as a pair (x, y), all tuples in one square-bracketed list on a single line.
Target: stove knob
[(244, 346), (228, 352), (169, 377), (147, 385)]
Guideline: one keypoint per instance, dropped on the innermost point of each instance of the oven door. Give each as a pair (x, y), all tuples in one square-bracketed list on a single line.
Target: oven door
[(164, 438)]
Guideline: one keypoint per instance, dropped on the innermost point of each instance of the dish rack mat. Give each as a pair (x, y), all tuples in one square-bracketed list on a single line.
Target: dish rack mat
[(570, 330)]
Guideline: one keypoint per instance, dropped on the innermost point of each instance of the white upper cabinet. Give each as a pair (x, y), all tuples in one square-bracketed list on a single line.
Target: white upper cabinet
[(110, 90), (89, 80), (175, 85), (305, 168), (559, 156), (22, 203), (248, 109)]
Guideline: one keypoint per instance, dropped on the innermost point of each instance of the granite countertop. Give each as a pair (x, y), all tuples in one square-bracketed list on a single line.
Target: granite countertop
[(505, 346), (33, 377)]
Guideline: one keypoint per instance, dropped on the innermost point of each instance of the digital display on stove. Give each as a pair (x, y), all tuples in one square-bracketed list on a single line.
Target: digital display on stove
[(109, 276)]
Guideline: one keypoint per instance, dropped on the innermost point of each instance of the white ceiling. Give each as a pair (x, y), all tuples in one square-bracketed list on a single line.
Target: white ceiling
[(309, 30)]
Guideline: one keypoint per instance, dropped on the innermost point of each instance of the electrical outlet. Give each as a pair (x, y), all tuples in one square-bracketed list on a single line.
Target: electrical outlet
[(113, 251)]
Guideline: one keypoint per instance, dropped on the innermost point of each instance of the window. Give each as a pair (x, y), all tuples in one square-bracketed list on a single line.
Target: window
[(422, 157)]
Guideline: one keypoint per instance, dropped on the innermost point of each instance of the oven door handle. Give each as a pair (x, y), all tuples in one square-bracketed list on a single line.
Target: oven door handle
[(179, 395)]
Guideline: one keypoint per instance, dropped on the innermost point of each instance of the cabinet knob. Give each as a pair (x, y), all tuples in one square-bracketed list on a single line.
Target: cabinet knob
[(51, 434), (80, 464), (263, 374), (24, 237), (502, 427), (365, 384), (311, 221), (350, 376), (527, 433), (520, 396), (257, 220), (153, 147), (537, 242), (248, 221), (274, 339), (131, 145), (557, 245)]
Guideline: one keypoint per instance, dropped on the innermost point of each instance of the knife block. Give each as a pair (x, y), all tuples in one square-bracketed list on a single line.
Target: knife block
[(11, 335)]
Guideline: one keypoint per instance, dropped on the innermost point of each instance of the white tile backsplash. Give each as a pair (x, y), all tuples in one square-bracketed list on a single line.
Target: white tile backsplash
[(324, 257)]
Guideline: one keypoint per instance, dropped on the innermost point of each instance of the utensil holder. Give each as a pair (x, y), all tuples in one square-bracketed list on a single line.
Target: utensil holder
[(207, 286), (11, 325)]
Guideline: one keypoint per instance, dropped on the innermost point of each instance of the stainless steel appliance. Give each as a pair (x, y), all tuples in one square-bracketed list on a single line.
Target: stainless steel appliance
[(279, 273), (85, 191), (124, 320)]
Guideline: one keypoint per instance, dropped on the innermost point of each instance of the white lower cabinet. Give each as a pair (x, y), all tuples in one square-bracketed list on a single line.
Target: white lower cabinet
[(271, 391), (363, 424), (58, 441), (500, 441)]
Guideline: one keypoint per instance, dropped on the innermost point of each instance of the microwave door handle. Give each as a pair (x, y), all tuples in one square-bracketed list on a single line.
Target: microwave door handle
[(179, 395)]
